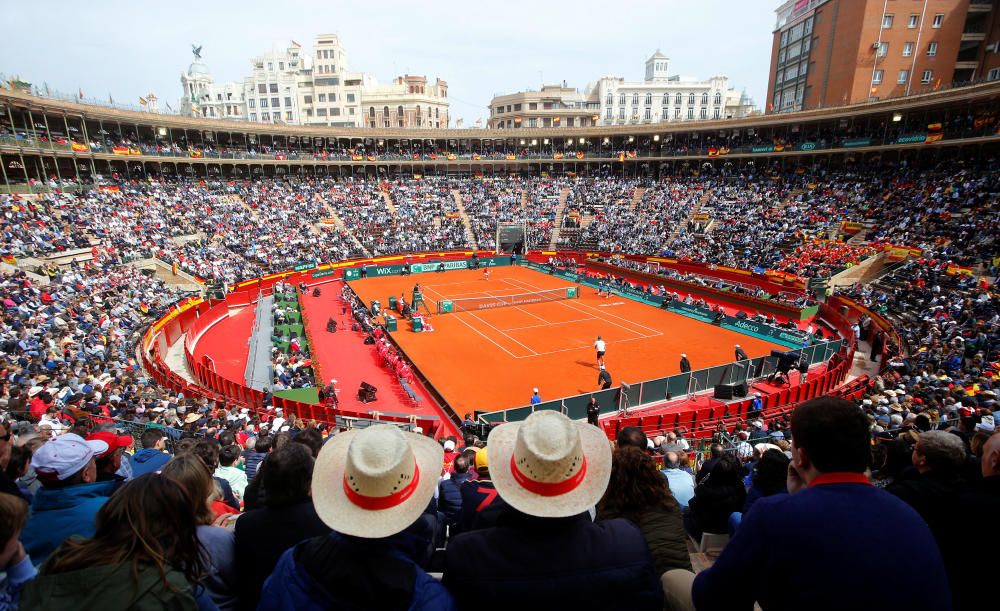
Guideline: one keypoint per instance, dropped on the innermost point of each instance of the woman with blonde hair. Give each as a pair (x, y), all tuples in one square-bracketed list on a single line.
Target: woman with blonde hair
[(219, 545)]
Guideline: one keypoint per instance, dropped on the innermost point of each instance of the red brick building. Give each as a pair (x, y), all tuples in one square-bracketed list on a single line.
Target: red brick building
[(835, 52)]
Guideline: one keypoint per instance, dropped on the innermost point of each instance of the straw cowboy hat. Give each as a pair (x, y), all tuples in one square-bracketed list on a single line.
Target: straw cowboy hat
[(549, 466), (375, 482)]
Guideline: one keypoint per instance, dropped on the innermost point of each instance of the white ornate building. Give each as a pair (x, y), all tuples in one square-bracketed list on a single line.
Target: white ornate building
[(612, 100), (296, 88)]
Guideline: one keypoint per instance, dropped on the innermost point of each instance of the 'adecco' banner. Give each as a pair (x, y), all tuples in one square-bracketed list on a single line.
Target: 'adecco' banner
[(856, 142)]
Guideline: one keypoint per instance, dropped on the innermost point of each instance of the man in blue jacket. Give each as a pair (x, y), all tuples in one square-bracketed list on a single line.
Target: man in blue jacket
[(835, 540), (70, 495), (153, 455), (450, 494)]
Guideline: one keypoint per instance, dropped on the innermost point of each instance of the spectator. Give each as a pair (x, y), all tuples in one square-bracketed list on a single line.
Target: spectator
[(153, 455), (715, 498), (632, 436), (7, 485), (482, 506), (638, 493), (312, 439), (287, 518), (715, 453), (254, 457), (768, 478), (832, 513), (110, 461), (111, 571), (681, 482), (552, 471), (70, 495), (371, 487), (217, 544), (449, 491), (229, 470), (208, 452), (14, 562)]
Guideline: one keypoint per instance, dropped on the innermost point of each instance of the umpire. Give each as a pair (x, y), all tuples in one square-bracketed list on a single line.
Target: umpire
[(593, 411), (685, 364), (604, 378)]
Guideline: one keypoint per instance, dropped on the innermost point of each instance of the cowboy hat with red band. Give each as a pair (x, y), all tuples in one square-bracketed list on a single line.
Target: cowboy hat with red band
[(549, 466), (375, 482)]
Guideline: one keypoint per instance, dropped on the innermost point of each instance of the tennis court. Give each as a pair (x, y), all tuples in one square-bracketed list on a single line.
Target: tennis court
[(489, 354)]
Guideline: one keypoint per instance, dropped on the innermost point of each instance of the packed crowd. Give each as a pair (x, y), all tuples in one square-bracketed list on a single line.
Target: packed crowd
[(228, 231)]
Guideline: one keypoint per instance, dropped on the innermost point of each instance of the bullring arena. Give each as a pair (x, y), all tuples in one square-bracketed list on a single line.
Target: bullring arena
[(323, 282)]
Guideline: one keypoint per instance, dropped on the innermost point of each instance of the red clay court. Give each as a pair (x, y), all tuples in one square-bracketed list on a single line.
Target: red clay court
[(491, 359)]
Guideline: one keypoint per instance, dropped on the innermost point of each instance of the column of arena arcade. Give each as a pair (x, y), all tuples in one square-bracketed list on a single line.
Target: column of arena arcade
[(43, 139)]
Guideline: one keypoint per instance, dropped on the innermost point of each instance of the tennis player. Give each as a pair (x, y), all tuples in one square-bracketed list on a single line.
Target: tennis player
[(601, 347), (486, 273)]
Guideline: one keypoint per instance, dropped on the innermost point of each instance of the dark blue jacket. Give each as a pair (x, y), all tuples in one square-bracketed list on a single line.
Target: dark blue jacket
[(450, 497), (148, 460), (553, 563), (58, 514), (831, 546), (253, 460), (340, 572)]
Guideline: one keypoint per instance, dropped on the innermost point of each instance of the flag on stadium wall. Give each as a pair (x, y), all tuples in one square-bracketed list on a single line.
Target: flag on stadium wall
[(630, 154), (511, 157), (10, 259), (558, 156), (934, 137), (934, 127), (119, 150), (580, 155), (195, 154), (416, 156), (356, 157), (371, 157), (134, 152), (621, 157), (452, 157), (79, 148), (475, 156)]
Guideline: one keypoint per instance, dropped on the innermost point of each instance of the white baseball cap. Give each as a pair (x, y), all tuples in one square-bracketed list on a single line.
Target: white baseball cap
[(66, 455)]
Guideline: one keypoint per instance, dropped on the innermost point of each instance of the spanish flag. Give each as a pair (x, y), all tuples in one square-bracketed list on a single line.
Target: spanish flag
[(934, 137), (452, 157), (475, 156), (10, 259), (371, 157), (558, 156), (511, 157), (134, 152), (580, 155), (79, 148), (621, 157), (119, 150), (356, 157), (195, 154)]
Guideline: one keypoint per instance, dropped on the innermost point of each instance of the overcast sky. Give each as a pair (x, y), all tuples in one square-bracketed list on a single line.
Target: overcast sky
[(127, 48)]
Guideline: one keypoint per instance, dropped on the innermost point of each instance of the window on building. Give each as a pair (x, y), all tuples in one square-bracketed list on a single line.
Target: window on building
[(307, 99), (877, 77), (907, 49), (321, 97), (253, 116), (690, 99), (385, 112), (690, 114), (350, 111), (273, 88), (281, 65), (371, 112), (883, 49), (335, 112), (621, 113), (635, 99), (781, 56), (993, 74), (288, 115), (386, 123), (275, 103), (913, 21), (309, 113), (437, 113), (534, 105), (635, 113), (887, 21), (666, 100), (621, 99), (808, 26), (677, 113), (938, 20), (716, 113), (932, 49), (677, 99), (261, 88), (270, 66), (718, 98), (649, 99), (648, 115), (704, 99), (399, 111), (265, 116), (263, 102), (399, 123), (534, 122), (665, 113), (251, 103), (926, 76), (607, 113), (288, 102), (903, 75)]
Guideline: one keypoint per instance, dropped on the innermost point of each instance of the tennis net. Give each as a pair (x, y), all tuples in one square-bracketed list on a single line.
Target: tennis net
[(489, 302)]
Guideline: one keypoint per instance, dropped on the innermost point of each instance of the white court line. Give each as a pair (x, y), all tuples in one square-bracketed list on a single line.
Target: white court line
[(511, 354), (563, 302), (533, 353), (552, 324)]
